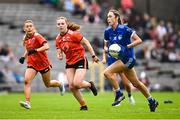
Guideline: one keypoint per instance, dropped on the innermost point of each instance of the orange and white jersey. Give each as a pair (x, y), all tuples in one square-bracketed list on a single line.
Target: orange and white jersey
[(39, 60), (71, 46)]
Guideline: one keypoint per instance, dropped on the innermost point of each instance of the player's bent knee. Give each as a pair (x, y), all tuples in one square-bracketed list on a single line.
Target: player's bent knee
[(77, 86), (27, 82), (71, 87), (48, 85), (107, 74)]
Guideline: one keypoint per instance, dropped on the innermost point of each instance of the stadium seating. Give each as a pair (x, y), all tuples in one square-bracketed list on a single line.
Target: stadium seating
[(44, 17)]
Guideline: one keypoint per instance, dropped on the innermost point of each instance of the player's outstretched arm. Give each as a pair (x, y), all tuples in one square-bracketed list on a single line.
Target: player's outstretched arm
[(104, 52), (84, 41)]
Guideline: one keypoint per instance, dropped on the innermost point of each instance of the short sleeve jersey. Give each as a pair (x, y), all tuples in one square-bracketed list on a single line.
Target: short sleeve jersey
[(121, 35), (70, 45), (39, 60)]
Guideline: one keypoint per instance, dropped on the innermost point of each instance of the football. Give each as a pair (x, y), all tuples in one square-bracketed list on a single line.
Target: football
[(114, 50)]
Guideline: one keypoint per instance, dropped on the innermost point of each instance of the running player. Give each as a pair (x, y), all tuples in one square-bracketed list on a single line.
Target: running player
[(37, 61), (127, 39), (110, 60), (70, 42)]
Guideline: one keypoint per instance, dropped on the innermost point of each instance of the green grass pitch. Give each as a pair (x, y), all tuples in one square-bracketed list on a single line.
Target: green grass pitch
[(53, 106)]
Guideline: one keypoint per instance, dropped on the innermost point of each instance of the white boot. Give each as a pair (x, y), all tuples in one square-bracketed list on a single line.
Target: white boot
[(25, 104), (131, 100), (62, 88)]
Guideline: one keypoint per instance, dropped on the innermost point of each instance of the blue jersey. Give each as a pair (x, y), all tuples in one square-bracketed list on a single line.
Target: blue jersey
[(121, 35)]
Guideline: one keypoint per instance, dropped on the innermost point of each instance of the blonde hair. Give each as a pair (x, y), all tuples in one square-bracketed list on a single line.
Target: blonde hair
[(28, 21), (70, 25)]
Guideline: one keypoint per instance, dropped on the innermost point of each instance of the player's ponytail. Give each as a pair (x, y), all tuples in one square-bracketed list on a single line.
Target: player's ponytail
[(73, 26), (70, 25)]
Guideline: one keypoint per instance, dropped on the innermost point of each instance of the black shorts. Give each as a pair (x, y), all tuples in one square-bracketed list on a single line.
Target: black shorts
[(41, 71), (82, 64)]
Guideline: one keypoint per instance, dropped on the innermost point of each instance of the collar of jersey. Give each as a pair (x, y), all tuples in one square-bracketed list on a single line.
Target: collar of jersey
[(64, 34)]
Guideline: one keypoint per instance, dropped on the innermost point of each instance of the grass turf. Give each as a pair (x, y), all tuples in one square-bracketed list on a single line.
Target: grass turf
[(54, 106)]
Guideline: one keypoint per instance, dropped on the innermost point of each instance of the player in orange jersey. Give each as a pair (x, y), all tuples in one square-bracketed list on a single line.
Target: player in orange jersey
[(71, 42), (37, 61)]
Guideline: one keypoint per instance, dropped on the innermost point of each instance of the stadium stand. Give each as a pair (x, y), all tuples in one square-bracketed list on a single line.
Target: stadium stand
[(11, 21), (44, 18)]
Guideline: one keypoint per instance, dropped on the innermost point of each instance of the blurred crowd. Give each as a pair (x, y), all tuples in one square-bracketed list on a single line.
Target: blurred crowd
[(161, 38), (9, 72), (89, 10)]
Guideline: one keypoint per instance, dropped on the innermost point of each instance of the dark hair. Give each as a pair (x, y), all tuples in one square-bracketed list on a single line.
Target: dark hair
[(70, 25)]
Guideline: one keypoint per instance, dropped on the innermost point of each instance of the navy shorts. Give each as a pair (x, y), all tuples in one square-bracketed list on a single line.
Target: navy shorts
[(130, 63), (111, 60), (82, 64)]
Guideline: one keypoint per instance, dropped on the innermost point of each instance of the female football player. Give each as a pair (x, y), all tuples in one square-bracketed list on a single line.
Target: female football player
[(110, 60), (126, 38), (70, 42), (37, 61)]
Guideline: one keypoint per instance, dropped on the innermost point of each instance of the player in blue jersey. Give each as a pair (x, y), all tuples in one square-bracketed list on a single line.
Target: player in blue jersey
[(127, 39), (110, 60)]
